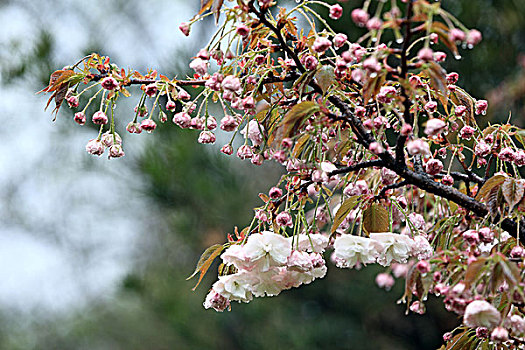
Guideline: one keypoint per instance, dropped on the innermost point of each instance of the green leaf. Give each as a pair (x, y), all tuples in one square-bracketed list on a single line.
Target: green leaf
[(343, 211), (205, 262), (375, 219)]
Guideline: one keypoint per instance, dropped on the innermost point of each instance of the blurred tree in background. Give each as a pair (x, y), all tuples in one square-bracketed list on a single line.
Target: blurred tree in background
[(193, 196)]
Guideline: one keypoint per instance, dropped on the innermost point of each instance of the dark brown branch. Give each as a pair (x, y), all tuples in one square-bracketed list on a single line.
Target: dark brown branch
[(357, 166), (383, 191)]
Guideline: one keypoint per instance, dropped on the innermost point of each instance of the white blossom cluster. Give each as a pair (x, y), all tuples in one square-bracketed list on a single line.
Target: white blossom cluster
[(267, 264), (383, 248)]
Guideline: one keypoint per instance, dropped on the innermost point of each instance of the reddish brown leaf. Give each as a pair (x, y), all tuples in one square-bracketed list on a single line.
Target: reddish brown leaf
[(205, 262)]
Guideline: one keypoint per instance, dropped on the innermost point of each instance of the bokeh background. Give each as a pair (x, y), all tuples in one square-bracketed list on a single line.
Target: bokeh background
[(94, 252)]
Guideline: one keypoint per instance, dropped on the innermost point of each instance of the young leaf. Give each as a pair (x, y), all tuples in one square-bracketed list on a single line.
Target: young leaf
[(494, 181), (512, 191), (205, 262), (343, 211), (295, 116), (375, 219)]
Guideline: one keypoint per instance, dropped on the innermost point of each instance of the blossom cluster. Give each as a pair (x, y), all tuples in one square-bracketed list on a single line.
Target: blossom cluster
[(267, 264)]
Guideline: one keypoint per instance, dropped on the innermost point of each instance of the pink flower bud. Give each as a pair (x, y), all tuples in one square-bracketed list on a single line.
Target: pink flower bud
[(109, 83), (171, 106), (206, 137), (374, 24), (466, 132), (452, 78), (310, 62), (151, 90), (426, 54), (456, 35), (507, 154), (440, 56), (482, 332), (148, 125), (336, 11), (499, 335), (203, 54), (227, 149), (360, 17), (109, 139), (371, 64), (385, 280), (242, 30), (229, 123), (517, 252), (433, 167), (473, 37), (486, 235), (321, 44), (376, 148), (481, 107), (116, 151), (418, 146), (80, 118), (185, 28), (95, 147), (447, 180), (423, 266), (460, 110), (280, 156), (244, 152), (434, 38), (72, 101), (231, 83), (360, 111), (340, 39), (133, 128), (184, 95), (284, 219), (200, 66), (406, 130), (182, 119), (435, 126), (100, 118), (248, 103), (275, 193)]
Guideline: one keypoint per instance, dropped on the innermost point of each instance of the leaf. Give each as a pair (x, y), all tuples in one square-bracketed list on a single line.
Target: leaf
[(295, 116), (511, 273), (325, 77), (205, 262), (494, 181), (473, 271), (442, 31), (494, 201), (212, 5), (299, 145), (57, 78), (343, 211), (375, 219), (461, 97), (512, 190), (438, 81), (372, 86)]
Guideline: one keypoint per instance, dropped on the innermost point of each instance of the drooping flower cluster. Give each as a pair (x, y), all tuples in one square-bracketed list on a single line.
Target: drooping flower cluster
[(267, 264)]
